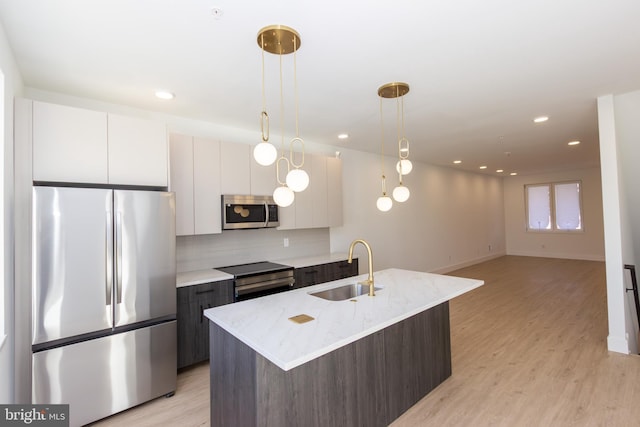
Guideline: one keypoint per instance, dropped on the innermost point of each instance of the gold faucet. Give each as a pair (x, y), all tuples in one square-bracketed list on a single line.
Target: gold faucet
[(369, 281)]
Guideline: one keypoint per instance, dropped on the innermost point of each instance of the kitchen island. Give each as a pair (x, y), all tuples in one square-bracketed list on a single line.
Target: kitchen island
[(360, 361)]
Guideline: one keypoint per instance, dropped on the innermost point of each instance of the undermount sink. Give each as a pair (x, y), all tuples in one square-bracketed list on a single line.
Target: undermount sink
[(345, 292)]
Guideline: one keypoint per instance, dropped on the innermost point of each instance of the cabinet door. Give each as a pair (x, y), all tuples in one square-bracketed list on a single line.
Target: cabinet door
[(181, 182), (235, 169), (287, 217), (138, 152), (303, 202), (69, 144), (263, 178), (334, 191), (307, 276), (320, 205), (207, 200), (342, 269), (319, 190), (193, 326)]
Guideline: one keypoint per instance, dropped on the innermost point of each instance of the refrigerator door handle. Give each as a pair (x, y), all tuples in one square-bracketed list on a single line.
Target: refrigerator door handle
[(108, 257), (118, 259)]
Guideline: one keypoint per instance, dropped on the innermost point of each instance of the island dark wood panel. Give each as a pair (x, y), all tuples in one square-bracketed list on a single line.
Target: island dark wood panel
[(369, 382)]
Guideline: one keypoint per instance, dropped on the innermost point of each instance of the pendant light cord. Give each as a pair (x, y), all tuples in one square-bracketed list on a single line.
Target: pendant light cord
[(384, 190), (295, 83), (264, 117), (295, 88)]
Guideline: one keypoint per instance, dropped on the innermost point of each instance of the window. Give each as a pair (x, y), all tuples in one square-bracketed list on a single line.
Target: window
[(554, 206)]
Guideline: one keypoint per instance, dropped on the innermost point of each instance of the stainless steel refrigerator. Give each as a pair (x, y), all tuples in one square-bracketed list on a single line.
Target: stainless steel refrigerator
[(103, 299)]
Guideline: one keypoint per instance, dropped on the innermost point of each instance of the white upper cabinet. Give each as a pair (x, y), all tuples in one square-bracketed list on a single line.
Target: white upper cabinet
[(334, 193), (137, 151), (303, 203), (241, 174), (91, 147), (207, 200), (203, 170), (235, 168), (320, 205), (69, 144), (320, 191), (195, 178), (263, 178), (181, 182)]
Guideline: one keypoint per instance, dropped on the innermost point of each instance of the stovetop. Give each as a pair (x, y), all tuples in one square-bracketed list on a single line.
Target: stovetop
[(253, 268)]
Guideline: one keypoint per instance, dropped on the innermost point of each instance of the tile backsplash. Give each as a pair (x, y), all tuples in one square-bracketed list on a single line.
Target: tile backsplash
[(243, 246)]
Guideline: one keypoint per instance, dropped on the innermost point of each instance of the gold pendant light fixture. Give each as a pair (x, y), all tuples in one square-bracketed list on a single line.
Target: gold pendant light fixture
[(397, 90), (281, 40), (384, 202)]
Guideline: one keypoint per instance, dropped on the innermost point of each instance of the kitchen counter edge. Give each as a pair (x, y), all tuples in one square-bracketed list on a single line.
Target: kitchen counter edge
[(209, 275)]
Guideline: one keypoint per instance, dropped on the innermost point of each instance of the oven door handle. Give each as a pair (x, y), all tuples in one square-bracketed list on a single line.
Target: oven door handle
[(266, 214), (242, 289)]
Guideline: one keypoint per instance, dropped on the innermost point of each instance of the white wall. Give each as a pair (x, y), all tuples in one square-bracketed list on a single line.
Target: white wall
[(12, 86), (587, 245), (243, 246), (618, 118), (621, 115), (449, 221), (627, 114)]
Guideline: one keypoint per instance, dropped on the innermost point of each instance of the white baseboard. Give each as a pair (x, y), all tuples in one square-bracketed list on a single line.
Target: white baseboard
[(464, 264), (546, 254), (617, 344)]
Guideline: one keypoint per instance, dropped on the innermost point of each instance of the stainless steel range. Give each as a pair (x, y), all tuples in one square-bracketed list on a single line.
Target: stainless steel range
[(259, 279)]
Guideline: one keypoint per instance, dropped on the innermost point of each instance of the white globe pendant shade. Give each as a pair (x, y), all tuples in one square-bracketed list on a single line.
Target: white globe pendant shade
[(384, 203), (401, 193), (283, 196), (265, 153), (406, 166), (297, 180)]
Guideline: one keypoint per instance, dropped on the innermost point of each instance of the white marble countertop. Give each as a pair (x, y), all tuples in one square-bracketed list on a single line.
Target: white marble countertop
[(212, 275), (263, 323), (313, 260), (201, 276)]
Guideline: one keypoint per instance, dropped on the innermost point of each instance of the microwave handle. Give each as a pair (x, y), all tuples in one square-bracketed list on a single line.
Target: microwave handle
[(266, 212)]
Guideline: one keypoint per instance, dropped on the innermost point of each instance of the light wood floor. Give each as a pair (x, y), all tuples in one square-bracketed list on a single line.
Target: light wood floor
[(528, 348)]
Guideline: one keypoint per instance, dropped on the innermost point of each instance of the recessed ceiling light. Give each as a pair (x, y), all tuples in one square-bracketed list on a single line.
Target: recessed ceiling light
[(343, 136), (513, 173), (457, 162), (163, 94), (483, 167), (574, 143), (499, 170), (217, 12), (541, 119)]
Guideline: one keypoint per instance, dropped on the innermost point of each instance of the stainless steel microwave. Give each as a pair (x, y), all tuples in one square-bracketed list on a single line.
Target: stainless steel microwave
[(249, 212)]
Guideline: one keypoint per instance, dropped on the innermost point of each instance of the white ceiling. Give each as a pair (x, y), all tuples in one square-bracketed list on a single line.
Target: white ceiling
[(479, 72)]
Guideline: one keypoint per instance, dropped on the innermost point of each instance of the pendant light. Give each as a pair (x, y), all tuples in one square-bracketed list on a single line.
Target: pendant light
[(397, 90), (264, 152), (384, 202), (404, 165), (297, 178), (281, 40)]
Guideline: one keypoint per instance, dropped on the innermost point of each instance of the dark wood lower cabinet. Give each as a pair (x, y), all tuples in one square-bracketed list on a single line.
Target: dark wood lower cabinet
[(193, 327), (369, 382), (321, 273)]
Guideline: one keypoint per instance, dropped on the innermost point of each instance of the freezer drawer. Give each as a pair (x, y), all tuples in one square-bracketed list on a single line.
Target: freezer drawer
[(107, 375)]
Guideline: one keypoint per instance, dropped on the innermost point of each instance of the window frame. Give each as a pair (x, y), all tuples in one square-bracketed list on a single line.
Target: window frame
[(552, 205)]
